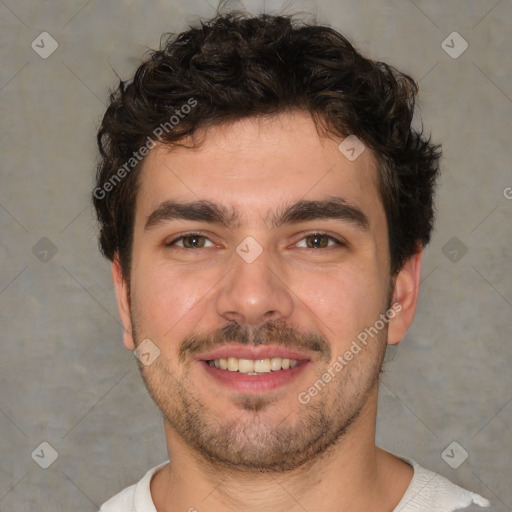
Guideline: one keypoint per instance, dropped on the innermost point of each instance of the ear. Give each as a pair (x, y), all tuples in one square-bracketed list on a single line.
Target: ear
[(405, 293), (123, 302)]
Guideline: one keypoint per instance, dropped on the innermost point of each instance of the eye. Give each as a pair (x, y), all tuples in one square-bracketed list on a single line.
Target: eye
[(198, 241), (320, 241), (190, 241)]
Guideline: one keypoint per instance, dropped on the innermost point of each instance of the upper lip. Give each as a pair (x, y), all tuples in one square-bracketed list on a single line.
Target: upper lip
[(259, 352)]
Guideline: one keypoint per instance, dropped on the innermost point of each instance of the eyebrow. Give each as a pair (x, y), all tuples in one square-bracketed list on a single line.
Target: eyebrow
[(334, 208)]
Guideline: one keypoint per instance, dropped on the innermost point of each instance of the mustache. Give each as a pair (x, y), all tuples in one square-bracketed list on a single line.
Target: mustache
[(274, 332)]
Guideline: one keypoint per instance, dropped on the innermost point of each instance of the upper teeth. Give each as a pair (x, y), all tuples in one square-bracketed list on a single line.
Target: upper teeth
[(234, 364)]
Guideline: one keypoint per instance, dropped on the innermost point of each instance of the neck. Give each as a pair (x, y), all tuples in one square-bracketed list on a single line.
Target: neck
[(353, 475)]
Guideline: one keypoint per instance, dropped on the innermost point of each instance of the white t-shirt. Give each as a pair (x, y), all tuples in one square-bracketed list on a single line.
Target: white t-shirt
[(427, 492)]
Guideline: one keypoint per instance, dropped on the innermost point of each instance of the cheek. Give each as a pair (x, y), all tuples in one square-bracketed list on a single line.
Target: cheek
[(345, 301), (169, 299)]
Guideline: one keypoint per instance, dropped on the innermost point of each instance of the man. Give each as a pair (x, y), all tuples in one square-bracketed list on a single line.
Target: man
[(265, 202)]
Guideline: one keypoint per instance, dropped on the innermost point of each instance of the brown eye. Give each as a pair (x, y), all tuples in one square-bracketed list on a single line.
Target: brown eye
[(190, 241), (320, 241)]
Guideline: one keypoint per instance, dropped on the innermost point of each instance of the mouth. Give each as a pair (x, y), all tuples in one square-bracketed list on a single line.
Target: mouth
[(253, 366), (253, 370)]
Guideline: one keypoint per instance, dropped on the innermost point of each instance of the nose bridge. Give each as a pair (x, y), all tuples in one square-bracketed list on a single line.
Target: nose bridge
[(253, 292)]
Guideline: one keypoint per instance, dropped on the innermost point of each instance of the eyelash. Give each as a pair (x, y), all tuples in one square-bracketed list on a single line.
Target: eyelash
[(192, 234)]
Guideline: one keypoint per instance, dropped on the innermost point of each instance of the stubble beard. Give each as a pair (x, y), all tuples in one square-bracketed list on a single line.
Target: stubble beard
[(256, 441)]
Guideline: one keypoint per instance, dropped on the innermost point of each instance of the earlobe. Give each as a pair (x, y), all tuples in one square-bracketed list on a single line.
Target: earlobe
[(123, 302), (405, 293)]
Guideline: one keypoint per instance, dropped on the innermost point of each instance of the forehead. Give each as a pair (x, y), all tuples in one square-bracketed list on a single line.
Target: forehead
[(255, 166)]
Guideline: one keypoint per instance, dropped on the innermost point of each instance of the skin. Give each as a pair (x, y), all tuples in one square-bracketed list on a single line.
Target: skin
[(265, 450)]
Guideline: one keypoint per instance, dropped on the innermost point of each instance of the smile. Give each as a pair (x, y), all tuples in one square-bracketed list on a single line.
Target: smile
[(253, 366)]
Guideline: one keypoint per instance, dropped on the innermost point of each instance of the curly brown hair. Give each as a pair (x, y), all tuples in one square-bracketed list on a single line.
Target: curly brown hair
[(236, 66)]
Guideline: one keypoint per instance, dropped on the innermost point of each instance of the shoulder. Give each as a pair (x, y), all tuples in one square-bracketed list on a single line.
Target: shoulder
[(136, 498), (122, 501), (431, 492)]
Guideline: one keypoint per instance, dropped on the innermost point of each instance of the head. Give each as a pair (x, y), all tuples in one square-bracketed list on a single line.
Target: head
[(241, 216)]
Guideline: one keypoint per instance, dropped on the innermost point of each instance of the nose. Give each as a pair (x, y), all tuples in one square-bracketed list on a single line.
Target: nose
[(256, 292)]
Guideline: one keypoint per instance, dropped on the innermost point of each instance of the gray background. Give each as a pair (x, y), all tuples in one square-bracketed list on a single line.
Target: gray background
[(65, 377)]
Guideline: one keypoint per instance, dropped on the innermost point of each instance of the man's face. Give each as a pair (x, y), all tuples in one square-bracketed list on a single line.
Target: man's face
[(270, 286)]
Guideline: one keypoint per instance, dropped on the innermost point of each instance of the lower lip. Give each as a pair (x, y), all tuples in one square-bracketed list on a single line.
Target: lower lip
[(254, 383)]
